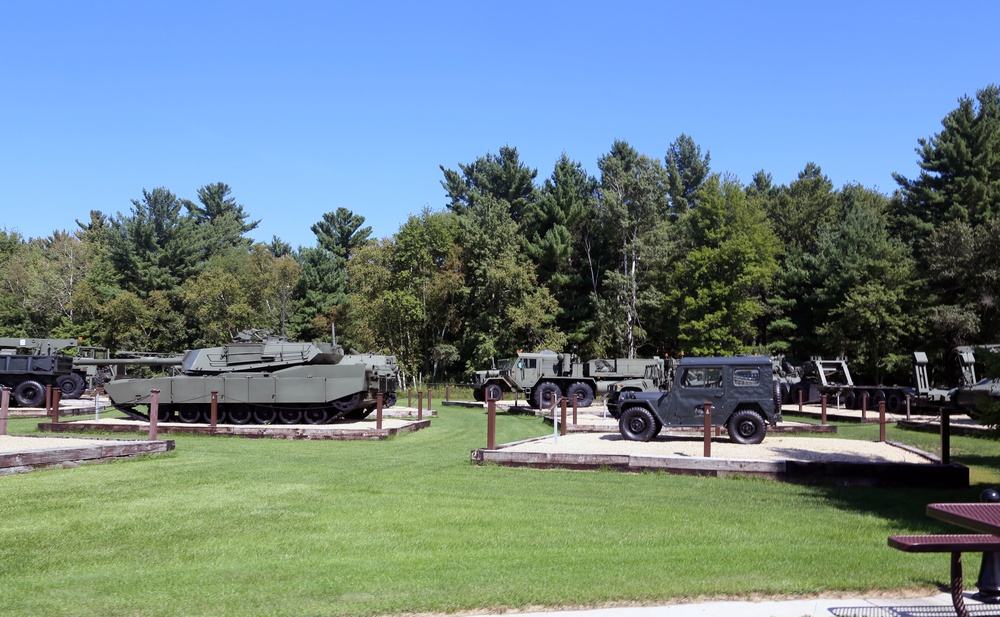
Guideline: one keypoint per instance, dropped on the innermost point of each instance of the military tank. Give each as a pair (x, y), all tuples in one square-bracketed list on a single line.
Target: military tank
[(263, 379)]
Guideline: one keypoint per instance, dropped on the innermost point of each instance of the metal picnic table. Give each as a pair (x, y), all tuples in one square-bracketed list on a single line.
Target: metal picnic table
[(981, 517)]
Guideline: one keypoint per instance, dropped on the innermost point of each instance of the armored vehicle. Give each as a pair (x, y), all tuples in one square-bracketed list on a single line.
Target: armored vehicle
[(546, 376), (260, 378), (739, 388)]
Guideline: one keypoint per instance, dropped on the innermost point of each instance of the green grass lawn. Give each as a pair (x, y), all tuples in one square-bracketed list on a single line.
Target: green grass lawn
[(228, 526)]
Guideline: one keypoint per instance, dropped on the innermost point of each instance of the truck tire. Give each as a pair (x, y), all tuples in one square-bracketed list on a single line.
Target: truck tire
[(746, 427), (849, 399), (546, 394), (492, 392), (583, 391), (864, 397), (29, 393), (71, 385), (894, 401), (479, 395), (638, 424)]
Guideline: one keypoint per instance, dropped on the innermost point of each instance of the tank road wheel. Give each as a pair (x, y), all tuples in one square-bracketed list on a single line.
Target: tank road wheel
[(164, 413), (71, 385), (290, 416), (220, 413), (746, 427), (546, 394), (584, 391), (316, 415), (264, 415), (29, 393), (239, 413), (492, 392), (189, 414), (388, 399), (347, 403), (638, 424)]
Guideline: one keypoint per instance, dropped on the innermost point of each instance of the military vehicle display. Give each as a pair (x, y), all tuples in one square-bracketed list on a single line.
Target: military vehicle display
[(739, 388), (833, 377), (972, 396), (263, 379), (31, 364), (545, 377)]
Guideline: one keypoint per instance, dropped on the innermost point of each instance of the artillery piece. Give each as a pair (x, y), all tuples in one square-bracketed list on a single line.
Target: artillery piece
[(971, 396), (260, 378)]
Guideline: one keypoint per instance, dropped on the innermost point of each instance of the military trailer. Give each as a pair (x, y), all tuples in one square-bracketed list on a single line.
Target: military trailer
[(740, 390), (819, 376), (545, 377), (972, 396)]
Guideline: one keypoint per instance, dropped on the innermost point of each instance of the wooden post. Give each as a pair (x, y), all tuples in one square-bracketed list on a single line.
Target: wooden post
[(576, 401), (708, 430), (429, 404), (864, 406), (945, 436), (907, 406), (881, 421), (491, 425), (800, 400), (56, 395), (48, 400), (420, 405), (409, 397), (214, 410), (562, 417), (154, 412), (822, 412), (4, 408), (378, 411)]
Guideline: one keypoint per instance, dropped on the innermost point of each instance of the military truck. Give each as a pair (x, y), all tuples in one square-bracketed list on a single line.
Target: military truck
[(28, 365), (546, 376), (739, 388)]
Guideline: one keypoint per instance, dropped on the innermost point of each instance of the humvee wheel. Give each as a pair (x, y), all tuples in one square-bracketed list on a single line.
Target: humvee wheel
[(492, 392), (746, 427), (638, 424)]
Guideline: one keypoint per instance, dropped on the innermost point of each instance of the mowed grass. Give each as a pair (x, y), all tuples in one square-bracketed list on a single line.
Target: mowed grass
[(227, 526)]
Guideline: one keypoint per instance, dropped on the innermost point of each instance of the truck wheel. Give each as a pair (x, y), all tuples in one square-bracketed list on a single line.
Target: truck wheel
[(746, 427), (479, 395), (29, 393), (894, 401), (583, 391), (638, 424), (848, 399), (71, 385), (492, 392), (863, 397), (777, 396), (546, 395)]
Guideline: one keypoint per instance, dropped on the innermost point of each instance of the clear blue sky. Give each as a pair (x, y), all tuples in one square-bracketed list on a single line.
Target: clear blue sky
[(304, 107)]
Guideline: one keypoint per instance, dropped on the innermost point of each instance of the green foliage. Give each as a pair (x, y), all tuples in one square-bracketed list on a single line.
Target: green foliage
[(502, 177)]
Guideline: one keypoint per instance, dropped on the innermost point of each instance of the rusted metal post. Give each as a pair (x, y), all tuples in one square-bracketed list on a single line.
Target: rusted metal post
[(420, 405), (213, 415), (4, 407), (576, 403), (491, 425), (154, 412), (945, 436), (56, 395), (800, 400), (429, 404), (907, 407), (378, 411), (822, 412), (409, 397), (864, 406), (562, 417), (48, 400), (708, 430), (881, 421)]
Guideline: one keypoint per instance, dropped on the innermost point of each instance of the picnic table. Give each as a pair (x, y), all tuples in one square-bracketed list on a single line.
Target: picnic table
[(981, 517)]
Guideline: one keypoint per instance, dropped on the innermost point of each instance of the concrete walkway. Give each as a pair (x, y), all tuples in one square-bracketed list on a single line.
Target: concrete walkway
[(932, 606)]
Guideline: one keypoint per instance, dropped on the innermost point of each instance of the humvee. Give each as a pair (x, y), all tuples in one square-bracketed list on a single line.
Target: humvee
[(740, 389)]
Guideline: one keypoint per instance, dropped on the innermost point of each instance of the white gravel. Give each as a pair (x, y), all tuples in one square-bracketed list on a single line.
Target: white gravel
[(27, 443), (771, 449)]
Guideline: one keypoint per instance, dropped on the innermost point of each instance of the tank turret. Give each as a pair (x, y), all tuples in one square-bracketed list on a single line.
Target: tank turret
[(264, 379)]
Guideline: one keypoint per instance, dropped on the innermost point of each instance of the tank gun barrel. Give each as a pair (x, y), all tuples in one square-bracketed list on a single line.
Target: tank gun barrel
[(136, 361)]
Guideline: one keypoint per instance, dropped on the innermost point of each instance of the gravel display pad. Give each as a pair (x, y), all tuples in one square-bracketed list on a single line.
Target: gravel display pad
[(19, 454)]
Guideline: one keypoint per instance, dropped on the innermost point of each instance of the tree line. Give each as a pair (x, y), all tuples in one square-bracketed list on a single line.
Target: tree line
[(648, 256)]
